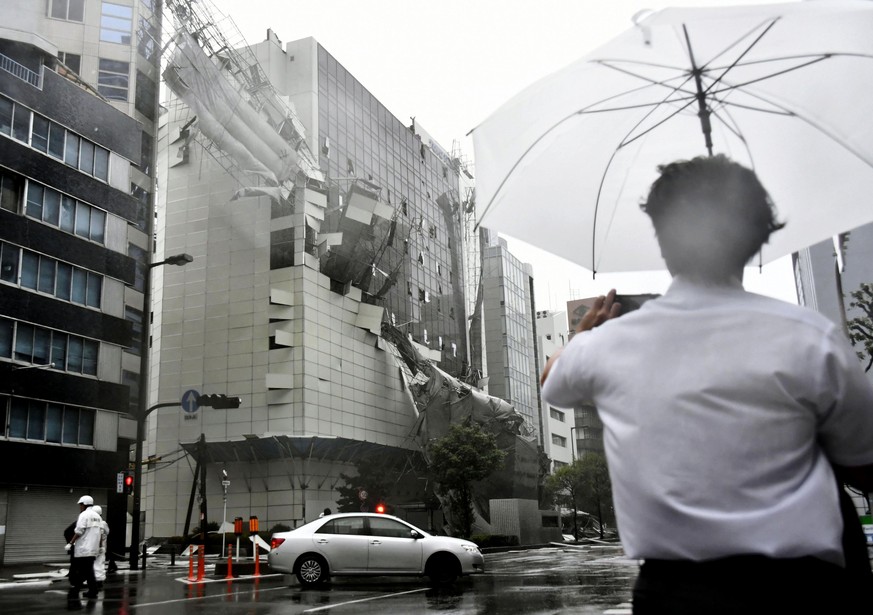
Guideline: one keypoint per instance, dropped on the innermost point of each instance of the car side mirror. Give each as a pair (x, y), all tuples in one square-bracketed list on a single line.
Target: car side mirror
[(415, 535)]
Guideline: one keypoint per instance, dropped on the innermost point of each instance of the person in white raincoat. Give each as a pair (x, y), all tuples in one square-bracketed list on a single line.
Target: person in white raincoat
[(85, 546)]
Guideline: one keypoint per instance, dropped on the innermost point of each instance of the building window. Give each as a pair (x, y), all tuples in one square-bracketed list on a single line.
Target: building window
[(65, 213), (116, 23), (556, 414), (53, 277), (39, 345), (113, 79), (145, 96), (559, 440), (134, 316), (71, 60), (147, 39), (40, 421), (70, 10), (10, 192)]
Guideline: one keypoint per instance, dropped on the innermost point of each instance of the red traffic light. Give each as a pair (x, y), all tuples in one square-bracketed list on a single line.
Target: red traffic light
[(128, 483), (380, 508)]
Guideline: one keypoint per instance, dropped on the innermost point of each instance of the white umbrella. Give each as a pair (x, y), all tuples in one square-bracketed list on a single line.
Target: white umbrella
[(786, 88)]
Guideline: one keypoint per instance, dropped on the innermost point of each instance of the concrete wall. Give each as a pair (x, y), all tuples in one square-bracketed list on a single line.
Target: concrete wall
[(524, 519)]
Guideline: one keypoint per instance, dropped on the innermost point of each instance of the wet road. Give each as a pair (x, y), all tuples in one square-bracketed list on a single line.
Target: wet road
[(592, 580)]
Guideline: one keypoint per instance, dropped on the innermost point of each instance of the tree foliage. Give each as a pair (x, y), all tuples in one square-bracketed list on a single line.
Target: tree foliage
[(584, 485), (861, 327), (466, 454)]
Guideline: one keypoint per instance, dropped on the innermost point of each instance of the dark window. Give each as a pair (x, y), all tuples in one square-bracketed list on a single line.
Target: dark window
[(6, 109), (145, 95), (39, 135), (6, 327), (21, 123), (146, 150), (346, 526), (113, 79), (10, 192), (147, 39), (9, 263), (282, 248), (71, 60), (71, 10)]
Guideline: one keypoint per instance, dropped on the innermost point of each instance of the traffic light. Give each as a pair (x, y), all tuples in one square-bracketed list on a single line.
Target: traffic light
[(128, 483), (380, 508), (219, 401)]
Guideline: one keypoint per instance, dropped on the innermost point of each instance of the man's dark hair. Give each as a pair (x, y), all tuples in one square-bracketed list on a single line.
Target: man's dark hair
[(711, 215)]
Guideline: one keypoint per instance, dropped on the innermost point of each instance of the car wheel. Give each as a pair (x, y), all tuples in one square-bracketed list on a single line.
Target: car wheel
[(443, 569), (311, 570)]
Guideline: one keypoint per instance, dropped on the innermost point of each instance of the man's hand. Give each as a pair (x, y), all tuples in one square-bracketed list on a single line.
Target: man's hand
[(604, 308), (67, 547)]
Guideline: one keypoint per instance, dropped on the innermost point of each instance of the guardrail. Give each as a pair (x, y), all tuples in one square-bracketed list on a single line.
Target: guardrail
[(20, 71)]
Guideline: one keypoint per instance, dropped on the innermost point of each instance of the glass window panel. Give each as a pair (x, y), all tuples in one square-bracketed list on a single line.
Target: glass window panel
[(86, 157), (98, 224), (71, 152), (68, 213), (29, 269), (117, 10), (21, 123), (59, 9), (86, 427), (95, 290), (77, 10), (46, 282), (51, 210), (83, 220), (59, 350), (36, 421), (54, 414), (101, 163), (74, 354), (9, 263), (80, 285), (24, 342), (6, 338), (56, 140), (115, 23), (6, 107), (39, 135), (18, 418), (89, 357), (64, 282), (71, 425), (10, 191), (42, 341), (35, 196)]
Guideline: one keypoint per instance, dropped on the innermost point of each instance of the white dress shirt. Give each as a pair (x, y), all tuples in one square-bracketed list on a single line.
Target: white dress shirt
[(721, 409)]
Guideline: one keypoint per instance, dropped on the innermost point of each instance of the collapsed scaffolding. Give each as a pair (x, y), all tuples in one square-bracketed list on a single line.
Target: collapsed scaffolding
[(357, 235)]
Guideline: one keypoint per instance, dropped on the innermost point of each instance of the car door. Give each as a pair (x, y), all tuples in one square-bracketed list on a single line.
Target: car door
[(343, 541), (392, 548)]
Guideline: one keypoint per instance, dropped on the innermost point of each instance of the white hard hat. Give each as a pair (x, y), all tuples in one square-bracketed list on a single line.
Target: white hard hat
[(98, 509), (87, 500)]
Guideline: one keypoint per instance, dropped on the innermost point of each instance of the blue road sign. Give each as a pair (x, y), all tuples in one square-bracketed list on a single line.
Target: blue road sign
[(189, 401)]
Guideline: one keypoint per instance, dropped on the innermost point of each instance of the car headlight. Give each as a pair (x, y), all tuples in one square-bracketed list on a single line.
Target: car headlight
[(471, 548)]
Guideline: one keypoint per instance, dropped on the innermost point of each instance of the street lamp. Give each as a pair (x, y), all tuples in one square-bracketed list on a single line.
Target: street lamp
[(142, 407)]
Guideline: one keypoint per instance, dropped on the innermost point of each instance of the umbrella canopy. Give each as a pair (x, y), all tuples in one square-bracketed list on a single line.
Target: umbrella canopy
[(785, 89)]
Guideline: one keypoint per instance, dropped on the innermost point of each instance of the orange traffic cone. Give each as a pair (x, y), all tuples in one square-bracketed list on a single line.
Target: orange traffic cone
[(229, 576), (257, 562), (191, 563), (201, 564)]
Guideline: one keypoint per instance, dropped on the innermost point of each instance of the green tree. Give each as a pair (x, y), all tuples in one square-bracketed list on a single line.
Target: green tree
[(464, 455), (861, 327), (596, 488), (564, 487)]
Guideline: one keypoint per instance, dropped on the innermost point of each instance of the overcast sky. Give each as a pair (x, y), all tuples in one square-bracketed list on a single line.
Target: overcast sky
[(450, 63)]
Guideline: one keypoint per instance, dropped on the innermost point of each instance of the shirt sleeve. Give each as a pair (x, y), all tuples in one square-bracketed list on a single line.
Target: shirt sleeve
[(567, 383), (846, 429)]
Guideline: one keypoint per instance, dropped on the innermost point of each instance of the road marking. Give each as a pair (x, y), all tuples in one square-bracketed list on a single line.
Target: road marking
[(339, 604), (225, 595)]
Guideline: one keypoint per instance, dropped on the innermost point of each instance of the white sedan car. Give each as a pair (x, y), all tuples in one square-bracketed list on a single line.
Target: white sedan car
[(370, 544)]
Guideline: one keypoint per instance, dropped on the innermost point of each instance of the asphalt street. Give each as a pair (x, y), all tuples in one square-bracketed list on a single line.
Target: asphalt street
[(586, 580)]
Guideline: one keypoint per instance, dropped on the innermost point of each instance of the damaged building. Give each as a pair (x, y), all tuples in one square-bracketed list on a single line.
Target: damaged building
[(329, 289)]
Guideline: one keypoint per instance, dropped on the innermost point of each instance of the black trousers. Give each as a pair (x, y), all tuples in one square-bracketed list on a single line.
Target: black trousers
[(747, 585), (82, 572)]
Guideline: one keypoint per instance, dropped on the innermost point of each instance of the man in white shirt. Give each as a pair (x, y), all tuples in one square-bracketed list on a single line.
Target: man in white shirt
[(100, 560), (729, 418), (85, 546)]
